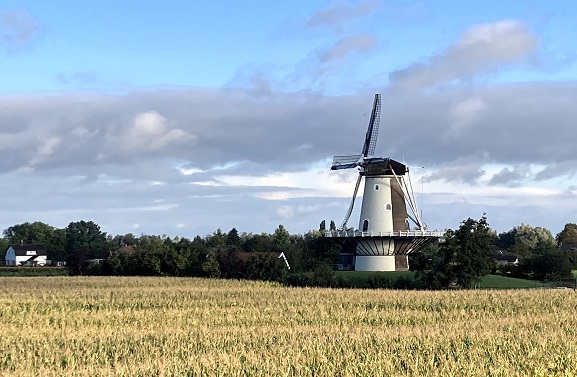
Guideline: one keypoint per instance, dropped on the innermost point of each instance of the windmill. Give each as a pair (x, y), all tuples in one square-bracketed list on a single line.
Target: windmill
[(384, 237)]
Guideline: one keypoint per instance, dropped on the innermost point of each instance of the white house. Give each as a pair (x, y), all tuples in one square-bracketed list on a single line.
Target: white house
[(25, 255)]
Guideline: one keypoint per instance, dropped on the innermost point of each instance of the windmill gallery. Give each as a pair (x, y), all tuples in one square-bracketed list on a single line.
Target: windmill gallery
[(384, 236)]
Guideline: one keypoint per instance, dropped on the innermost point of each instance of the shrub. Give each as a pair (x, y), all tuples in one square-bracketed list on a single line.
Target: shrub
[(381, 281)]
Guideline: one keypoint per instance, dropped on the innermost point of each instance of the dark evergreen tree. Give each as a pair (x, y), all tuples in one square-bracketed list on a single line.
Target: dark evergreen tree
[(332, 226), (233, 239)]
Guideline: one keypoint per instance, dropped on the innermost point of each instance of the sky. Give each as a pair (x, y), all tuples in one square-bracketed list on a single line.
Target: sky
[(184, 117)]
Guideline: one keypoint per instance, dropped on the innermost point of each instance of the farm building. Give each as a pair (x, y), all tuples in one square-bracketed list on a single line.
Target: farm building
[(506, 260), (25, 255)]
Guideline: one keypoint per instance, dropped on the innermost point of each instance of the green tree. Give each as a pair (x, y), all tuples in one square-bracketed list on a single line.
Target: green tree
[(473, 251), (4, 245), (266, 267), (258, 243), (528, 238), (568, 235), (548, 263), (506, 240), (438, 272), (193, 253), (324, 249), (30, 233), (463, 258), (56, 245), (152, 256), (281, 238), (232, 238), (75, 261), (211, 268), (421, 261), (86, 235), (229, 263), (53, 239), (216, 240), (123, 262)]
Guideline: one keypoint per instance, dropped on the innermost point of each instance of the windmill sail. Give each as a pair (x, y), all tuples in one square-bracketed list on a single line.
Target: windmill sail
[(351, 161), (373, 130), (350, 210), (345, 162)]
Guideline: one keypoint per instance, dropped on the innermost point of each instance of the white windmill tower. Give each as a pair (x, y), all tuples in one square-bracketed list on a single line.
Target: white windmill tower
[(384, 238)]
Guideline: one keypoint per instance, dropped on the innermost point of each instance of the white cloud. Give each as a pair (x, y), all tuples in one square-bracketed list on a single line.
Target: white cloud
[(481, 49), (256, 167), (17, 28), (360, 43), (147, 124), (339, 14), (45, 149), (285, 211), (189, 171), (465, 114), (149, 132)]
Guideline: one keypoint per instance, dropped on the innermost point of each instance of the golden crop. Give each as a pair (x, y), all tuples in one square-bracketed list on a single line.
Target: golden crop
[(113, 326)]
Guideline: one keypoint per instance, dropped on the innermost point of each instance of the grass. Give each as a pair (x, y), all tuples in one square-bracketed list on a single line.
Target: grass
[(135, 326), (504, 282), (33, 271), (360, 279)]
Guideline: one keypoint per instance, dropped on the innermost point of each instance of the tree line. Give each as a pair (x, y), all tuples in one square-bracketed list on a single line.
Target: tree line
[(88, 250), (463, 257), (472, 251)]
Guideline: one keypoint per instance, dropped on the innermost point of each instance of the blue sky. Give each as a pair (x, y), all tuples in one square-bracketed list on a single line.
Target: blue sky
[(182, 117), (112, 46)]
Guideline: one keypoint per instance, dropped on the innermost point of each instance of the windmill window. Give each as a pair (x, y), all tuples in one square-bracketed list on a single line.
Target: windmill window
[(365, 225), (377, 187), (388, 207)]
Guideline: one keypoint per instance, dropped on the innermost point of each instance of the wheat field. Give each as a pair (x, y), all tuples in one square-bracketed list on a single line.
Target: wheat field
[(134, 326)]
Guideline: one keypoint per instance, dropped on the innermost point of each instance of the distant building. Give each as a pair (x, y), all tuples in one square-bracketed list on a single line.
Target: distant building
[(506, 260), (25, 255)]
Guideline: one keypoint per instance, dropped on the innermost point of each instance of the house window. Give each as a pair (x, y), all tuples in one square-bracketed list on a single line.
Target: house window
[(388, 207), (377, 187), (365, 225)]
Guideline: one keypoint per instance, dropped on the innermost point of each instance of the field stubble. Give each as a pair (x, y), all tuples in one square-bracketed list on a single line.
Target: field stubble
[(101, 326)]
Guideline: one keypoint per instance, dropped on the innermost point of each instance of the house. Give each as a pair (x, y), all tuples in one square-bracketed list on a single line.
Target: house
[(25, 255), (506, 260)]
